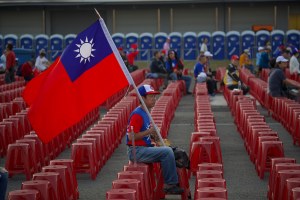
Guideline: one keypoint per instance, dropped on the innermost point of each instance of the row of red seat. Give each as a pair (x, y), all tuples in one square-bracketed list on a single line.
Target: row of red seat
[(265, 149), (145, 181), (56, 181), (205, 150), (138, 77), (283, 110), (97, 145), (14, 85), (19, 154)]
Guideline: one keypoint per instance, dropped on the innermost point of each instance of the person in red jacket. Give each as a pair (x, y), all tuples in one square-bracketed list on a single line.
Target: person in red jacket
[(10, 64), (26, 70), (133, 52)]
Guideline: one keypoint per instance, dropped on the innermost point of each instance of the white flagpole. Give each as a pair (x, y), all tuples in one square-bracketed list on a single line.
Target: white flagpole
[(127, 74)]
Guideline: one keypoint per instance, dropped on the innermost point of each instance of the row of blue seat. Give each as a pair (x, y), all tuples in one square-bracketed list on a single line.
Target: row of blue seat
[(221, 44)]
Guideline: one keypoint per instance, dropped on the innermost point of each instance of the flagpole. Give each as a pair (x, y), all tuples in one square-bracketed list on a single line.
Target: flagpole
[(128, 75)]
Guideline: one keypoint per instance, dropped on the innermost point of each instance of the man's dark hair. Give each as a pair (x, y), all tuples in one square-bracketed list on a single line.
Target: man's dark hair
[(155, 53), (9, 46)]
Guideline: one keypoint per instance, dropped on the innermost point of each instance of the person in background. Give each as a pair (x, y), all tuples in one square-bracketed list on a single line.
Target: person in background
[(42, 63), (277, 82), (10, 64), (3, 182), (123, 56), (245, 61), (264, 59), (166, 46), (158, 69), (140, 130), (294, 63), (258, 56), (3, 62), (27, 71), (231, 77), (203, 47), (133, 52), (175, 67)]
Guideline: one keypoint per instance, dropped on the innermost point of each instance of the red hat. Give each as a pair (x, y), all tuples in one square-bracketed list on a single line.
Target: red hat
[(163, 51), (235, 57), (120, 48), (134, 46)]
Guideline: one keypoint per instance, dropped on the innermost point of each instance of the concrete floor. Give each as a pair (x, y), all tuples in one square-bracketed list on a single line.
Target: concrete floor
[(242, 180)]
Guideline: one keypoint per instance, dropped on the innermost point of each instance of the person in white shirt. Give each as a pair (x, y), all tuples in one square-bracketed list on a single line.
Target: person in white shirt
[(3, 62), (167, 45), (204, 45), (42, 62), (294, 63)]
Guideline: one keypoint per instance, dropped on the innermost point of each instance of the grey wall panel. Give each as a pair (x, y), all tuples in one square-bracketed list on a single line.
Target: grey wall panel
[(136, 20), (196, 19), (73, 21), (20, 21), (243, 17)]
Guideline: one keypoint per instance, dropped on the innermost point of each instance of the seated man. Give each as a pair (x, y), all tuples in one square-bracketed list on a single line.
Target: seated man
[(158, 69), (145, 151), (231, 78), (277, 84)]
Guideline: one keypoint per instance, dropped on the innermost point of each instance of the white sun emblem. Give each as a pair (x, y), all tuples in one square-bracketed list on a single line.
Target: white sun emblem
[(85, 49)]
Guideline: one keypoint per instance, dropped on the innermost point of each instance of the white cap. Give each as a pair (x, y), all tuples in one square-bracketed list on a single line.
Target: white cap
[(207, 54), (201, 77), (281, 59), (260, 48)]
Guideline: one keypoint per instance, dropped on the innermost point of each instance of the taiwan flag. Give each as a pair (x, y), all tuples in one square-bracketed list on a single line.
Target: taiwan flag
[(88, 72)]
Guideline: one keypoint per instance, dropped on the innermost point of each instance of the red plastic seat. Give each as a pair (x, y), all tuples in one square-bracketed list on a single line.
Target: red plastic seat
[(129, 184), (18, 160), (272, 176), (138, 175), (209, 182), (24, 195), (290, 184), (43, 186), (69, 164), (55, 181), (121, 194), (84, 160), (281, 178), (296, 193), (217, 147), (210, 166), (201, 152), (96, 150), (36, 154), (65, 177), (268, 150), (217, 192)]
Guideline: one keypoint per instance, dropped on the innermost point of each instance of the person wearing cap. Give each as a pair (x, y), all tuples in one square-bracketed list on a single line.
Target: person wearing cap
[(277, 82), (145, 151), (245, 61), (175, 67), (200, 74), (231, 77), (133, 53), (41, 62), (294, 63), (158, 68)]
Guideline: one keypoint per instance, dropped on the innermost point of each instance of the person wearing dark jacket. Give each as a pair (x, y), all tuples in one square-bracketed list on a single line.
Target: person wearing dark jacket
[(158, 69)]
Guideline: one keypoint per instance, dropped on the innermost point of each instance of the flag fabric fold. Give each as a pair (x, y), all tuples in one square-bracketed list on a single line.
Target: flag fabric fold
[(88, 72)]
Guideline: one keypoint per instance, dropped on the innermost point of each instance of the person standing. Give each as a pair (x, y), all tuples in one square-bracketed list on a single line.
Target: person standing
[(166, 46), (145, 151), (10, 64), (204, 45)]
